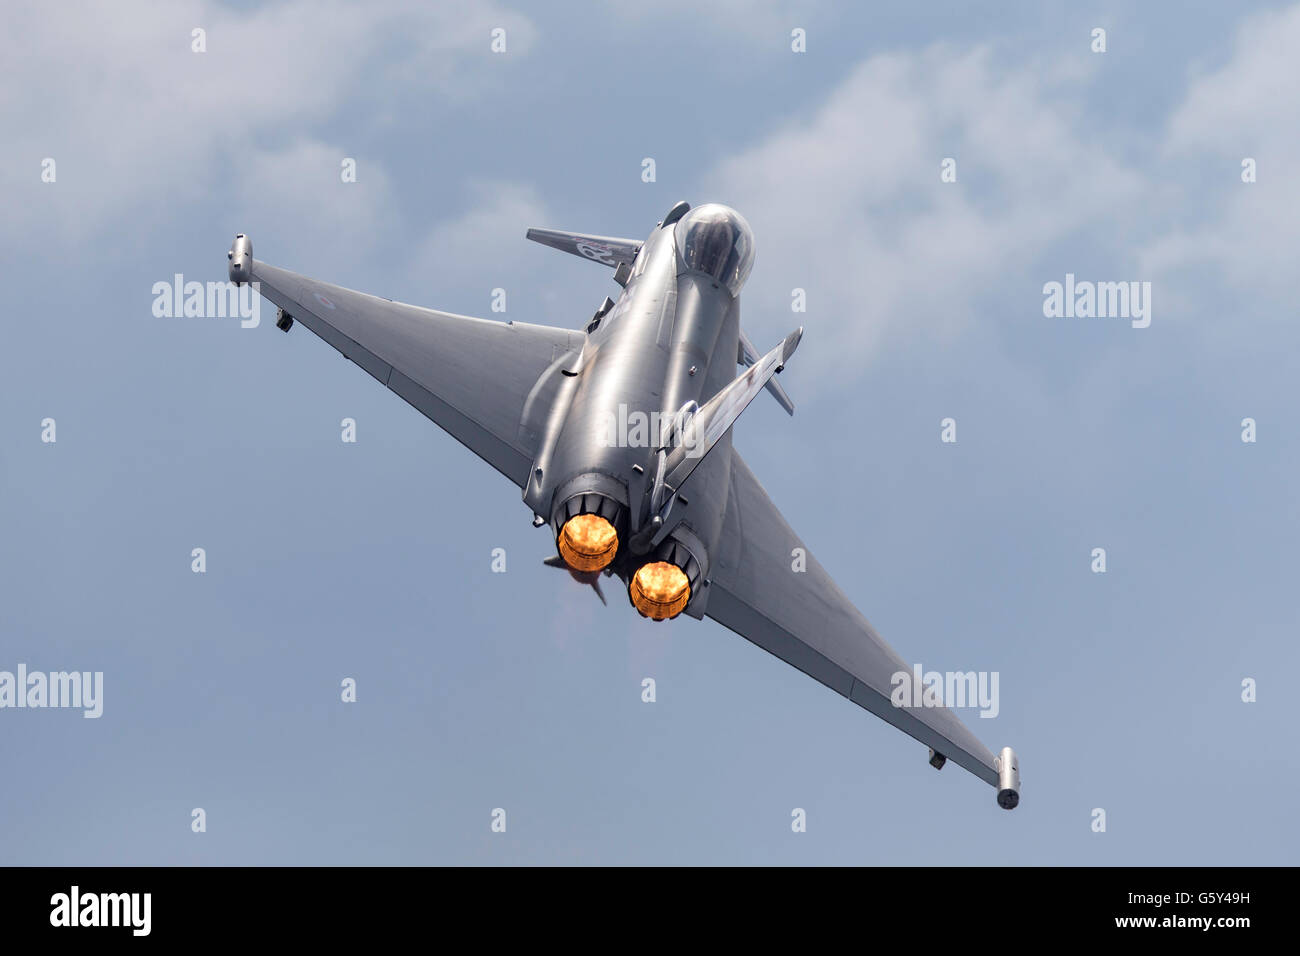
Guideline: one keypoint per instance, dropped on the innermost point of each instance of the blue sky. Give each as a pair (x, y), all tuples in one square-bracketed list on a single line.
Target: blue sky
[(476, 690)]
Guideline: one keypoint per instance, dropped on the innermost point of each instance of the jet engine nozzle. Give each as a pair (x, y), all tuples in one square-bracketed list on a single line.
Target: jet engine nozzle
[(661, 587), (588, 526), (1008, 767), (659, 590), (588, 542)]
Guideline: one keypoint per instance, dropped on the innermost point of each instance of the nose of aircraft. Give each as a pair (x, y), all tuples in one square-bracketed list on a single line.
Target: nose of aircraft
[(716, 240)]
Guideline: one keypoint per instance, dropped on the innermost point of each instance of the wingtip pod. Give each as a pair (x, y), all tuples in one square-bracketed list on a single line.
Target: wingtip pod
[(240, 256), (791, 343), (788, 345), (1008, 768)]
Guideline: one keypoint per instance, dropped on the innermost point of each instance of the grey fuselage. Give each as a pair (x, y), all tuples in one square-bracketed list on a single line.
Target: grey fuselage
[(670, 339)]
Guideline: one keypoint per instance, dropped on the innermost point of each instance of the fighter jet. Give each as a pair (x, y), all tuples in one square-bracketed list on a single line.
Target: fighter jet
[(618, 435)]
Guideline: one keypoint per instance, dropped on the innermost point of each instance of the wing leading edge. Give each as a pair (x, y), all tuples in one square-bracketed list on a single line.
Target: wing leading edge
[(808, 622), (474, 378)]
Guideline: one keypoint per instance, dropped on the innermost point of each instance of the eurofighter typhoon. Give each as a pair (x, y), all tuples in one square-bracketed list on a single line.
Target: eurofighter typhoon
[(671, 510)]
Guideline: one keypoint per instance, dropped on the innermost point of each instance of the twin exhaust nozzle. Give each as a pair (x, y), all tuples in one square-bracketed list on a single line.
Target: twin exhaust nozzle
[(588, 542)]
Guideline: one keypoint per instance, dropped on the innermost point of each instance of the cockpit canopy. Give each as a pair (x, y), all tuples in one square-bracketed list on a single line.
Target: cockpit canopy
[(716, 240)]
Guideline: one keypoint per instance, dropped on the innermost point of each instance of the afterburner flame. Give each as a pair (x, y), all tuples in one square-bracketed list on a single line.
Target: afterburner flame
[(659, 590), (588, 543)]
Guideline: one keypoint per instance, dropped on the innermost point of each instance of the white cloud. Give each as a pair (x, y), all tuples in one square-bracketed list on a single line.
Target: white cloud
[(138, 122), (484, 240), (297, 192), (1246, 108), (1252, 99), (768, 21), (848, 203)]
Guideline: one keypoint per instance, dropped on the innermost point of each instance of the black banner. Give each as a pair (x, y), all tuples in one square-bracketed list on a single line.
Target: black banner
[(939, 904)]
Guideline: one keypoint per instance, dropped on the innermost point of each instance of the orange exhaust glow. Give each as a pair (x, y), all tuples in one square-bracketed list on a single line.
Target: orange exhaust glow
[(588, 543), (659, 590)]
